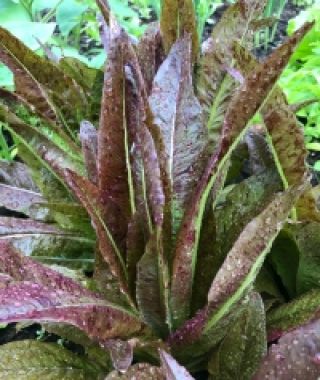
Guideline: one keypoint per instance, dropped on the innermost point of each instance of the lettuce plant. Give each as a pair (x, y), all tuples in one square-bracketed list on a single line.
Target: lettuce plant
[(146, 198)]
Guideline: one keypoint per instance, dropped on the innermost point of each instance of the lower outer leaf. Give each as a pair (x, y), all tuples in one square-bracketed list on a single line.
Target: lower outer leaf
[(295, 356), (240, 352), (245, 201), (33, 360), (30, 291), (293, 314), (88, 194)]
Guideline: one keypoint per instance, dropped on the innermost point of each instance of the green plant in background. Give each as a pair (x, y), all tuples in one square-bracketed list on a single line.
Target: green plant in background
[(155, 246), (7, 152), (273, 12), (300, 80)]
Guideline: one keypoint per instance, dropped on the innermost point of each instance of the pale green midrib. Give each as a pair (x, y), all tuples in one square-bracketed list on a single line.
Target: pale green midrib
[(215, 105), (241, 290), (127, 153), (206, 192), (114, 246), (146, 203)]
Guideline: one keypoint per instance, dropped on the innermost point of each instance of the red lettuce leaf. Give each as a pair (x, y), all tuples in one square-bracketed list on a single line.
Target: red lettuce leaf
[(36, 293)]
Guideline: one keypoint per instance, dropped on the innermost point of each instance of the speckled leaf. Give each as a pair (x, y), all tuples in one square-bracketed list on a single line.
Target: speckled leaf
[(242, 108), (33, 360), (177, 116), (150, 54), (89, 143), (42, 151), (293, 314), (290, 151), (244, 202), (89, 195), (307, 239), (295, 356), (25, 201), (113, 145), (149, 285), (36, 293), (215, 87), (246, 257), (141, 371), (177, 19), (172, 369), (144, 157), (36, 78), (17, 174), (135, 246), (242, 349), (71, 216)]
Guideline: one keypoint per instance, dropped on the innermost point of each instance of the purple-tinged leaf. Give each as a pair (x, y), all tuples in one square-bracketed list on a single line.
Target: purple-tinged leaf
[(24, 201), (296, 313), (290, 151), (89, 195), (33, 360), (215, 87), (246, 257), (113, 144), (17, 174), (22, 268), (239, 354), (89, 143), (36, 78), (135, 246), (37, 293), (239, 269), (172, 369), (10, 225), (150, 54), (244, 202), (141, 371), (144, 156), (177, 116), (150, 298), (243, 106), (178, 18), (295, 356)]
